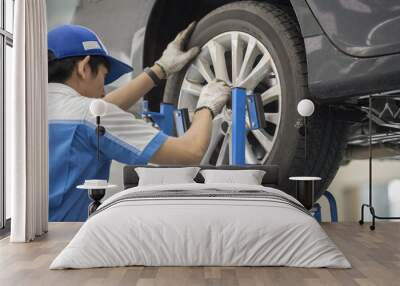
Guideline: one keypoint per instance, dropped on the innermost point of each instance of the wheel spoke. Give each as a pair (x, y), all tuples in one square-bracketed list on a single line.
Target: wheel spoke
[(263, 138), (272, 117), (249, 58), (191, 88), (257, 74), (249, 154), (250, 64), (237, 56), (230, 158), (225, 148), (204, 69), (271, 94), (217, 53), (216, 136)]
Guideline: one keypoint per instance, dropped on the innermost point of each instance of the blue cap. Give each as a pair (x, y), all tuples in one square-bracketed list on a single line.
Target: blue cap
[(72, 40)]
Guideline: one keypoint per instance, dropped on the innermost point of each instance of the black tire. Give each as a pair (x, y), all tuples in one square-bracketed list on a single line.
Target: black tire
[(276, 27)]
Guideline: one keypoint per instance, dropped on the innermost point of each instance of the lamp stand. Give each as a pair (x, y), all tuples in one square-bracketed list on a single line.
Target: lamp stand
[(305, 144), (100, 131)]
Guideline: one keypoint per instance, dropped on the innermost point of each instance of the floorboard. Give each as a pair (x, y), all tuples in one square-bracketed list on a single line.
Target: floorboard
[(375, 257)]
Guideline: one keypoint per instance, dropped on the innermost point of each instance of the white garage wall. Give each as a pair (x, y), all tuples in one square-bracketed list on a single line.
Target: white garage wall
[(350, 187), (60, 12)]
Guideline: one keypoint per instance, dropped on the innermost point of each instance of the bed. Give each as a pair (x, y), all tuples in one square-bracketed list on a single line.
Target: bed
[(201, 224)]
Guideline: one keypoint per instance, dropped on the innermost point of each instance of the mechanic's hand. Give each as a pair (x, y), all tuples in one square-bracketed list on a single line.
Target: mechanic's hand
[(214, 96), (174, 58)]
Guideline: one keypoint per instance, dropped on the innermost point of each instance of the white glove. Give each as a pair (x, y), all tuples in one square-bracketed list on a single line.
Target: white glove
[(174, 58), (214, 96)]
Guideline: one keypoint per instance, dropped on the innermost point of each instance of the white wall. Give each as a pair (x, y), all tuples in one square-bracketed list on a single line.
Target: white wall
[(60, 12), (350, 188)]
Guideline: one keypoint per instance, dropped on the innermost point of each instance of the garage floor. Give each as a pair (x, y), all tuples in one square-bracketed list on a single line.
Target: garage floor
[(375, 257)]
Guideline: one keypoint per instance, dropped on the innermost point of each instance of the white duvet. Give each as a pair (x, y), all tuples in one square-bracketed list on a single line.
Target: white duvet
[(202, 231)]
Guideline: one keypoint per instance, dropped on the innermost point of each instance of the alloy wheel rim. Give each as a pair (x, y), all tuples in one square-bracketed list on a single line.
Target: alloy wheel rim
[(241, 60)]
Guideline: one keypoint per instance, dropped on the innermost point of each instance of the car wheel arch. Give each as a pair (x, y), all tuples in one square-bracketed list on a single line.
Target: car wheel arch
[(160, 29)]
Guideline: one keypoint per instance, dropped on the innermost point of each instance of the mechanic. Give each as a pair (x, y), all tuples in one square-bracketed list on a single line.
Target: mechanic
[(78, 68)]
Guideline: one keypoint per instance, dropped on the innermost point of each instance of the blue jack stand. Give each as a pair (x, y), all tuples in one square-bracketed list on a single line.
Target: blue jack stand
[(171, 121), (175, 122), (240, 99), (164, 119), (317, 212), (332, 208), (238, 143)]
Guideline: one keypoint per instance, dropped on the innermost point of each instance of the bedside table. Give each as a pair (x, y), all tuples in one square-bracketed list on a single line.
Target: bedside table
[(305, 187)]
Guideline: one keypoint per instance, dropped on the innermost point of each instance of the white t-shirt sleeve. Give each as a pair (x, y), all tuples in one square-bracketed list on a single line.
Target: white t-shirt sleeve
[(127, 139)]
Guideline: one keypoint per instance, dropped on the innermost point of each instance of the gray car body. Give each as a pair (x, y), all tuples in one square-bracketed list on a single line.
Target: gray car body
[(352, 46)]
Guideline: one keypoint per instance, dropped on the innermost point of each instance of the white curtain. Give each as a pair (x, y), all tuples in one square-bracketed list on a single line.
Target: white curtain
[(26, 124)]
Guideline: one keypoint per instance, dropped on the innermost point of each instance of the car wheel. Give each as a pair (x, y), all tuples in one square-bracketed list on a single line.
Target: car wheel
[(259, 46)]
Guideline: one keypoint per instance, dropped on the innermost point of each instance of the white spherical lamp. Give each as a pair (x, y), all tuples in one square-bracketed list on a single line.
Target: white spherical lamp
[(305, 108), (98, 107)]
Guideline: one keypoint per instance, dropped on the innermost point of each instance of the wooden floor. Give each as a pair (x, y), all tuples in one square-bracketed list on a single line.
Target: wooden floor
[(375, 257)]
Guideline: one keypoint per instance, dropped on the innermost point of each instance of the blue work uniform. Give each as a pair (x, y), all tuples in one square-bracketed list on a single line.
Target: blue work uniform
[(73, 148)]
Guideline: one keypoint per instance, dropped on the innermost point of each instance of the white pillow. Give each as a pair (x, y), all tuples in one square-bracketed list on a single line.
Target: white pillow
[(248, 177), (166, 176)]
